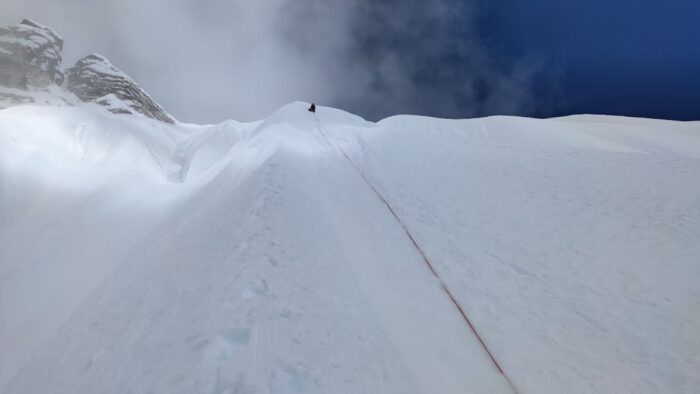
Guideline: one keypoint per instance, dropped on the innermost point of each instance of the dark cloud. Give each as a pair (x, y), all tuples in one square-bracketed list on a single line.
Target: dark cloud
[(206, 61), (425, 57)]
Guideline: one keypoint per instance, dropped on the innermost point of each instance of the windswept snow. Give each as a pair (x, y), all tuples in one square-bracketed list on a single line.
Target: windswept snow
[(138, 256)]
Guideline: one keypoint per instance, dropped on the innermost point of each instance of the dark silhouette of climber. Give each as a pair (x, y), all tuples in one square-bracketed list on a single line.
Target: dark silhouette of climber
[(312, 108)]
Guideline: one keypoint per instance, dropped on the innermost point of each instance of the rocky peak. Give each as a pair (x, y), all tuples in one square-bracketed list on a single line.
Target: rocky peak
[(30, 55), (94, 78), (30, 72)]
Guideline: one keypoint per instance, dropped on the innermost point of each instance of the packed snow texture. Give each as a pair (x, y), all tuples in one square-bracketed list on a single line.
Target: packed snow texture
[(139, 256)]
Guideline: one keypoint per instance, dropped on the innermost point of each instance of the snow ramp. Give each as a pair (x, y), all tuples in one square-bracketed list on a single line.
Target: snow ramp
[(326, 254)]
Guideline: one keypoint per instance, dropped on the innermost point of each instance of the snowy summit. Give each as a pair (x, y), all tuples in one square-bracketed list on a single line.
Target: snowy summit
[(316, 252)]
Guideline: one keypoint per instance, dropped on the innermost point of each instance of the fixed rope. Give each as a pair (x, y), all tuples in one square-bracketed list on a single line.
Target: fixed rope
[(425, 258)]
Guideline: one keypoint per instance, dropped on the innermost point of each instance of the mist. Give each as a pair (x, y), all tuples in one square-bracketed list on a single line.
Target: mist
[(207, 61)]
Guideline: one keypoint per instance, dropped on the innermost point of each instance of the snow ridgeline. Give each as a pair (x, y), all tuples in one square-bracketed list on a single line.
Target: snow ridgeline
[(141, 256)]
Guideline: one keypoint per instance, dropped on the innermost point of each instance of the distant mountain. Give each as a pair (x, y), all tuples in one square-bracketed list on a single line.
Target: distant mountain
[(94, 78), (30, 56), (30, 72)]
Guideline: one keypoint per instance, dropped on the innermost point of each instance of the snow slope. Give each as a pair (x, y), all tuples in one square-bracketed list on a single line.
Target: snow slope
[(292, 255)]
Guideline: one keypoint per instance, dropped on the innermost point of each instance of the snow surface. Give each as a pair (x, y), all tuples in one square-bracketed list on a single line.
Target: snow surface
[(137, 256)]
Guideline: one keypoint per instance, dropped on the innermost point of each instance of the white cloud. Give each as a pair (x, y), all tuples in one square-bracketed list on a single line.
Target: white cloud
[(206, 61)]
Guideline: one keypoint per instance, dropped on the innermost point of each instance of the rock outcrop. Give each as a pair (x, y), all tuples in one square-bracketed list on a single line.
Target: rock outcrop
[(30, 56), (30, 67), (94, 78)]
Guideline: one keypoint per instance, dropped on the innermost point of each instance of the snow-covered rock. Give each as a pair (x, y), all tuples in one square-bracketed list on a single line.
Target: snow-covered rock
[(94, 78), (30, 72), (50, 95), (30, 55), (30, 60)]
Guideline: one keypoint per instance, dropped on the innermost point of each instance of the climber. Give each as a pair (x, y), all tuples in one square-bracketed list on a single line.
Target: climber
[(312, 108)]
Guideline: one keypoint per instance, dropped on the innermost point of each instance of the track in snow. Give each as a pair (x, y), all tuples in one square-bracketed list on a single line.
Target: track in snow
[(425, 258), (142, 257)]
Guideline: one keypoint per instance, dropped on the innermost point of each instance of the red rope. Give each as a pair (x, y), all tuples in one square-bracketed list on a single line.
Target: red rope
[(427, 262)]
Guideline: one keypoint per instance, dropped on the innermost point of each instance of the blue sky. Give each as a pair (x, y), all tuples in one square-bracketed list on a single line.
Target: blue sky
[(636, 58), (211, 60)]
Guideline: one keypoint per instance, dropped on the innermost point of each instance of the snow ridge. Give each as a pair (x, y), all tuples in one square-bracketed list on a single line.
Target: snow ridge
[(138, 255)]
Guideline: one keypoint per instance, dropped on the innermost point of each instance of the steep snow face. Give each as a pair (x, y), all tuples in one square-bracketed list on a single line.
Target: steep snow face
[(291, 255), (573, 242)]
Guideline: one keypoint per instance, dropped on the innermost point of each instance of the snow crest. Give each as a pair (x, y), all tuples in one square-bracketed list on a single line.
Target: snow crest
[(279, 256)]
